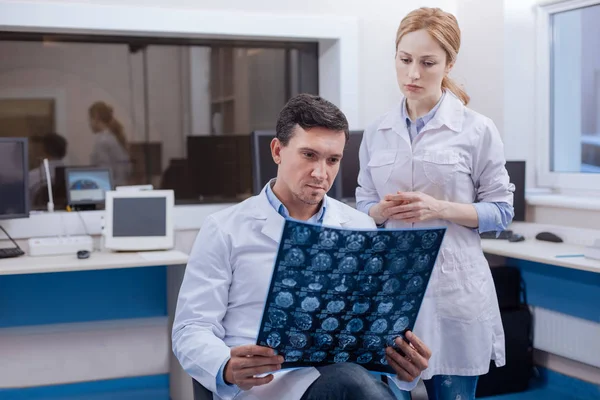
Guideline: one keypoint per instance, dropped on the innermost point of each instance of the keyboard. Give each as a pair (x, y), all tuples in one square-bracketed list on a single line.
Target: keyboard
[(11, 252), (504, 235)]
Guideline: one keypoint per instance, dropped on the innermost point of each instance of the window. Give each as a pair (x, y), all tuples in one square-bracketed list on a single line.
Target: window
[(569, 95), (182, 110)]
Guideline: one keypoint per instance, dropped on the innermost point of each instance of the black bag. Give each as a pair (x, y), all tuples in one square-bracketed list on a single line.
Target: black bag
[(518, 331)]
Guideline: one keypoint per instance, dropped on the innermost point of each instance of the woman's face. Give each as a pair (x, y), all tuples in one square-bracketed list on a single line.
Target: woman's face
[(420, 66), (95, 124)]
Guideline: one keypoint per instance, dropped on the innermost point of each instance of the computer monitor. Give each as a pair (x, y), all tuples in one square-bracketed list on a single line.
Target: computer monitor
[(14, 178), (264, 168), (137, 220), (348, 175), (87, 186), (516, 172)]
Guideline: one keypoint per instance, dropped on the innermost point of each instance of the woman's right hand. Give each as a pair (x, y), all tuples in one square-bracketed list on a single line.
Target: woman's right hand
[(383, 210)]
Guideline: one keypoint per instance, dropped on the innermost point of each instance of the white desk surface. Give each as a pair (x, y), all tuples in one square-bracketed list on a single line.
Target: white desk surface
[(542, 252), (97, 260)]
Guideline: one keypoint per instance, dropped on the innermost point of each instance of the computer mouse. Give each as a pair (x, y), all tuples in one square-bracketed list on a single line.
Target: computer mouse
[(548, 237), (83, 254), (516, 238)]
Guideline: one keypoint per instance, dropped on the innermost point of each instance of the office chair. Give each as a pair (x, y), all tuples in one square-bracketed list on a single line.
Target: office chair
[(200, 392)]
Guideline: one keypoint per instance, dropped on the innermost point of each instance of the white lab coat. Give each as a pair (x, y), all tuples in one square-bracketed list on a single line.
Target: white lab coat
[(459, 157), (224, 289)]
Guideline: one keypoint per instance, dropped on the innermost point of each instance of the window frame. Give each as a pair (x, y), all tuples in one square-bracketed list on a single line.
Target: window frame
[(562, 182)]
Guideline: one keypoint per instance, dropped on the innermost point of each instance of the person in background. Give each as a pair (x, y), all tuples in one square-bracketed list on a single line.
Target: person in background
[(110, 147), (431, 161), (54, 147)]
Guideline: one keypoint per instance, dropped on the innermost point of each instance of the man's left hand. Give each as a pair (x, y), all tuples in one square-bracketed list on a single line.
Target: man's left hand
[(415, 360), (415, 207)]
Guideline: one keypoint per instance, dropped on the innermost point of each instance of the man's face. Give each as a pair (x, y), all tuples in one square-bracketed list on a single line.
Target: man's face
[(309, 163)]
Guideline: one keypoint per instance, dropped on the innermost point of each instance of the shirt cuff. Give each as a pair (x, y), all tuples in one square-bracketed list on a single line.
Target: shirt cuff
[(397, 385), (487, 214), (367, 207), (225, 390)]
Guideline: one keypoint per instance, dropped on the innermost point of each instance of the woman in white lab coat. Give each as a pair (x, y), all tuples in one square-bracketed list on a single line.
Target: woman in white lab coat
[(432, 161), (110, 147)]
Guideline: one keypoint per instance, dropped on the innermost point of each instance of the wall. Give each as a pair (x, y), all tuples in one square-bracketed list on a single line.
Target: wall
[(86, 73)]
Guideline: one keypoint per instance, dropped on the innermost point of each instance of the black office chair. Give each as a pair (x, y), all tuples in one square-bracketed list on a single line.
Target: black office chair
[(200, 392)]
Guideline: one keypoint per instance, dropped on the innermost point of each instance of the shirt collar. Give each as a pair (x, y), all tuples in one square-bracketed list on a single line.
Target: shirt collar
[(425, 118), (283, 211)]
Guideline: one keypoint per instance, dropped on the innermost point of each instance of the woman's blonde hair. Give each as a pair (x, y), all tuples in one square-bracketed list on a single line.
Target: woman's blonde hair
[(104, 113), (443, 27)]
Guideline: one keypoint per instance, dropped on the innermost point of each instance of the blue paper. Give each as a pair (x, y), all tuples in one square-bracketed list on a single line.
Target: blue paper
[(340, 295)]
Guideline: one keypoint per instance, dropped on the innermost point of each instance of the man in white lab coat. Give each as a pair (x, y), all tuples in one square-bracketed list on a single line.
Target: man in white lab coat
[(226, 282)]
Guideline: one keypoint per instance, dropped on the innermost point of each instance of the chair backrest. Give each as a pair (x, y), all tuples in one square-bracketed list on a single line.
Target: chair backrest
[(200, 392)]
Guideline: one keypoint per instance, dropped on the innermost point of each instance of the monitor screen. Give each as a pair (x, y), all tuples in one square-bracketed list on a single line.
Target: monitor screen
[(139, 216), (14, 173), (87, 185), (516, 172)]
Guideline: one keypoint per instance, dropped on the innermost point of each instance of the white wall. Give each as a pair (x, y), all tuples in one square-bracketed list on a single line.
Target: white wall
[(378, 21)]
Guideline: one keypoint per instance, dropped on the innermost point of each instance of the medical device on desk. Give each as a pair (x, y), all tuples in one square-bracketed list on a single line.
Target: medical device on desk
[(139, 220)]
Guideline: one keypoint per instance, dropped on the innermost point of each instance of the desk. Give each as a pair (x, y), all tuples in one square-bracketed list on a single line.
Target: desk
[(98, 260), (564, 292), (64, 320), (542, 252)]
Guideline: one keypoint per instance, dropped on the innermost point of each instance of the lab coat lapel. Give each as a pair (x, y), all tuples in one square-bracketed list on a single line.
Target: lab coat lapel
[(450, 114), (394, 122)]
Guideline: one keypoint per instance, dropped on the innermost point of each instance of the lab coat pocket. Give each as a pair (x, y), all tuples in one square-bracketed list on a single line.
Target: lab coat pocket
[(462, 293), (440, 166), (381, 165)]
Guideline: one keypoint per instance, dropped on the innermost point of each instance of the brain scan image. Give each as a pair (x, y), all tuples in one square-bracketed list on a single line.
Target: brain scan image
[(385, 307), (338, 295), (349, 264), (374, 265), (341, 357), (295, 257), (391, 286), (321, 262), (317, 282), (380, 243), (336, 306), (298, 340), (361, 306), (318, 356), (355, 325), (398, 264), (301, 234), (293, 356), (330, 324), (369, 285), (401, 324), (407, 306), (310, 304), (428, 239), (303, 321), (364, 358), (405, 242), (355, 242), (373, 342), (346, 342), (284, 299), (274, 340), (415, 284), (328, 239), (379, 326), (421, 262), (278, 318), (323, 340)]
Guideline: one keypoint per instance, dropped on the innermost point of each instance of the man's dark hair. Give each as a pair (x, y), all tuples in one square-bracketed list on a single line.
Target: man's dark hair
[(309, 111), (55, 145)]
